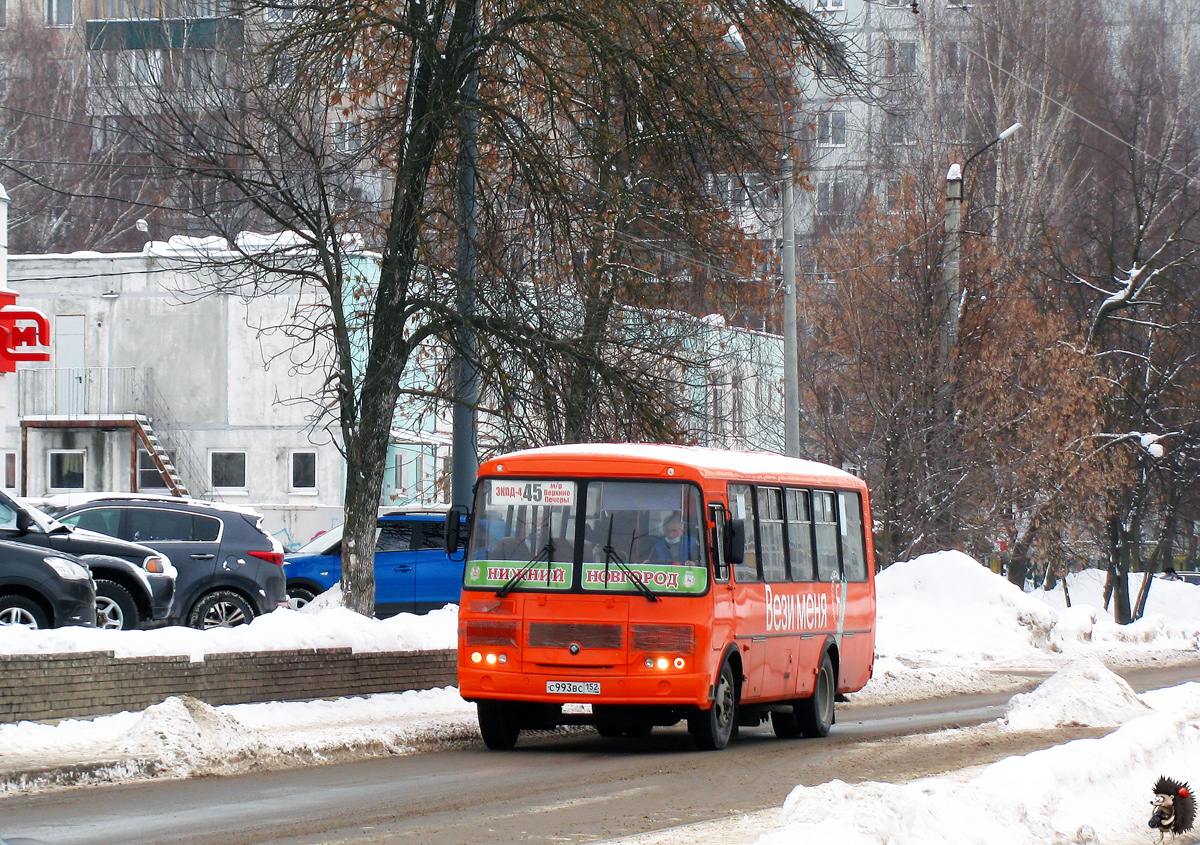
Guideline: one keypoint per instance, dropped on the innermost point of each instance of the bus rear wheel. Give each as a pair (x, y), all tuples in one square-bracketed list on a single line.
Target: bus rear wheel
[(498, 724), (814, 715), (712, 728)]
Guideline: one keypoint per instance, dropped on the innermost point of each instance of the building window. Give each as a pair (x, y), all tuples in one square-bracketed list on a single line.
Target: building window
[(281, 12), (10, 470), (3, 14), (304, 471), (149, 478), (347, 136), (830, 5), (204, 69), (831, 129), (893, 194), (228, 470), (67, 470), (281, 72), (957, 55), (60, 13), (898, 129), (831, 198), (901, 58)]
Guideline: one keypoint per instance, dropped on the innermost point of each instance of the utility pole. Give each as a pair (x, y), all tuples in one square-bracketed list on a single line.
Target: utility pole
[(791, 353), (464, 445), (951, 265)]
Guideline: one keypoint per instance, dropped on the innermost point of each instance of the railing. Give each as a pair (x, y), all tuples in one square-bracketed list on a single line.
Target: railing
[(89, 392)]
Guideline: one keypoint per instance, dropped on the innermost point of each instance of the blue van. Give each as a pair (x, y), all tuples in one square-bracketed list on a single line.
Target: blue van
[(413, 573)]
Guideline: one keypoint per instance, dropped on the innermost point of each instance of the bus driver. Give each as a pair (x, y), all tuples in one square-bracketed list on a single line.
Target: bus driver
[(674, 546)]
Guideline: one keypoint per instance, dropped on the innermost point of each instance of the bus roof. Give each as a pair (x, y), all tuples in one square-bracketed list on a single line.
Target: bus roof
[(706, 460)]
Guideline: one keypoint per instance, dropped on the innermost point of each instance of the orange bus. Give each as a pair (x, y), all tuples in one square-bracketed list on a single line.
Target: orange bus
[(664, 583)]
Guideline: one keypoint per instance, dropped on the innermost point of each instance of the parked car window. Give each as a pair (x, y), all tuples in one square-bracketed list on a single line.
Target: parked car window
[(393, 536), (147, 525), (431, 536), (8, 517), (104, 520), (205, 529)]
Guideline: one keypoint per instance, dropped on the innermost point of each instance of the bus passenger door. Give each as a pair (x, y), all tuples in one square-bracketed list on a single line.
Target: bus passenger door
[(749, 599)]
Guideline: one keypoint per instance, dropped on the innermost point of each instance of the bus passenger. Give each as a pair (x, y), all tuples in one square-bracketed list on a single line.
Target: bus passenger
[(674, 546)]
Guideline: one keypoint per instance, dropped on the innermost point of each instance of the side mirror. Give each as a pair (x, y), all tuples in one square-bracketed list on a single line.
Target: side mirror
[(735, 541), (456, 518), (24, 521)]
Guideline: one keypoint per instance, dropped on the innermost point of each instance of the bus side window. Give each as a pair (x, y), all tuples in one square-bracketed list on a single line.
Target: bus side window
[(854, 556), (826, 532), (800, 540), (770, 533), (741, 507)]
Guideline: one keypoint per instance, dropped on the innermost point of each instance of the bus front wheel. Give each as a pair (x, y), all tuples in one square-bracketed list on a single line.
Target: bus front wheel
[(498, 724), (712, 728), (814, 715)]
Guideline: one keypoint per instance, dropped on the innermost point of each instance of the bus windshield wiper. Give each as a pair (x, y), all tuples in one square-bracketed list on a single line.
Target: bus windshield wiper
[(545, 554), (611, 556)]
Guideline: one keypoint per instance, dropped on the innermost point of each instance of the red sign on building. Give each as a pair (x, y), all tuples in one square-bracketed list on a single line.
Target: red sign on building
[(22, 332)]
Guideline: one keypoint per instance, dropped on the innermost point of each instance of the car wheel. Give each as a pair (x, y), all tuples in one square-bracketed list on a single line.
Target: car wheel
[(299, 596), (220, 609), (115, 607), (18, 610)]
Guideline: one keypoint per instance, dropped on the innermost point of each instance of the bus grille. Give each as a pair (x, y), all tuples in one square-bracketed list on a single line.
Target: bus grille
[(562, 634)]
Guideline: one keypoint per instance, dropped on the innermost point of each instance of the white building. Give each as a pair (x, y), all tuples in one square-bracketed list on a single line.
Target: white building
[(148, 391)]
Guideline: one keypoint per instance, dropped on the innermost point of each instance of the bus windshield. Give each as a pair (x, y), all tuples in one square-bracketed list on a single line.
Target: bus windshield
[(642, 537)]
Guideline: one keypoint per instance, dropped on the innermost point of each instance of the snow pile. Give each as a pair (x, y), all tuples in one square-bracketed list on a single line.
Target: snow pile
[(1088, 792), (947, 604), (184, 737), (1172, 612), (281, 630), (1084, 694)]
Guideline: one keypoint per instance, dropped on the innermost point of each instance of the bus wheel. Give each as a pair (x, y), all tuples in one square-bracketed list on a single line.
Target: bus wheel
[(814, 714), (498, 724), (712, 728)]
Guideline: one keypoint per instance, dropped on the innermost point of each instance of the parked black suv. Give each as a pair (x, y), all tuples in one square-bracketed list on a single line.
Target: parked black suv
[(229, 569), (44, 589), (134, 584)]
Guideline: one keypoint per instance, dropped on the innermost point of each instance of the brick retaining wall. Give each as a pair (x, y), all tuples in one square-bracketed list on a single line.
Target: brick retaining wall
[(59, 686)]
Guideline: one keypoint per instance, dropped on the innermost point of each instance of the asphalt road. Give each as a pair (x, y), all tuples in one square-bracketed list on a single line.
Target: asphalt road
[(570, 787)]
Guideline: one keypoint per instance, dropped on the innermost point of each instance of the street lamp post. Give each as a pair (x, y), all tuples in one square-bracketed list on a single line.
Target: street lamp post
[(951, 262), (791, 353), (948, 445)]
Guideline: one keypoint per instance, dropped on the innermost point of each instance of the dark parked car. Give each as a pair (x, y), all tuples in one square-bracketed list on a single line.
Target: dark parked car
[(40, 588), (413, 573), (229, 569), (135, 585)]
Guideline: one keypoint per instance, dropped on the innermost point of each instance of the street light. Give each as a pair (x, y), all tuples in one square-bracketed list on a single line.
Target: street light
[(791, 352), (951, 269)]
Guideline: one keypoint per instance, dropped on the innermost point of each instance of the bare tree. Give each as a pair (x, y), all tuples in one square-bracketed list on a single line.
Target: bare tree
[(339, 123), (1129, 270)]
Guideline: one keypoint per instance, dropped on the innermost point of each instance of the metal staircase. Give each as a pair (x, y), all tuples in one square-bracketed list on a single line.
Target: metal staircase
[(161, 458)]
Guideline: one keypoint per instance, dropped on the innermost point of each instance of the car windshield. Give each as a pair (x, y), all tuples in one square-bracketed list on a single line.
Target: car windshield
[(8, 515), (596, 535), (322, 544)]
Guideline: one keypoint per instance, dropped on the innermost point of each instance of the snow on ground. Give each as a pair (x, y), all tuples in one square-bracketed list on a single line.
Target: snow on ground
[(945, 624)]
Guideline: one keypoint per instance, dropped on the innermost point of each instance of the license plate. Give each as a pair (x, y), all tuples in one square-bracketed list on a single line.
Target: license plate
[(573, 687)]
